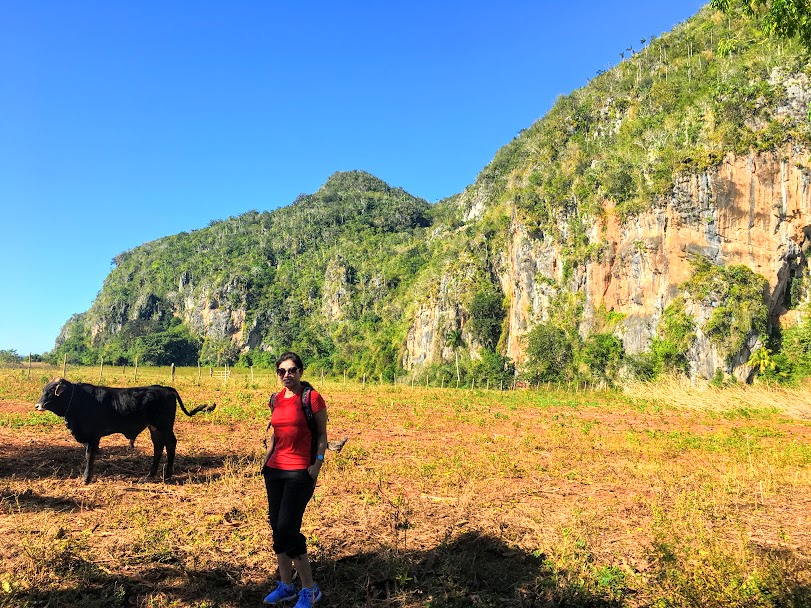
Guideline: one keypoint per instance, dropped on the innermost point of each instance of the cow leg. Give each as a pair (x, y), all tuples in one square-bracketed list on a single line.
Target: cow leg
[(157, 450), (91, 449), (171, 444)]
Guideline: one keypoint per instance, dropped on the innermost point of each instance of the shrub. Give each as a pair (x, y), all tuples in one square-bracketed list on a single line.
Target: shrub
[(603, 354), (550, 355), (737, 296), (494, 367)]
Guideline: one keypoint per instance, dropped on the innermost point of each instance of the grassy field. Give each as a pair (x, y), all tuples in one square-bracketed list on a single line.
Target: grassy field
[(665, 495)]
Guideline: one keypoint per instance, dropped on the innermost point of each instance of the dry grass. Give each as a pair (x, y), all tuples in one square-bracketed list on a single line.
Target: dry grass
[(680, 392), (665, 496)]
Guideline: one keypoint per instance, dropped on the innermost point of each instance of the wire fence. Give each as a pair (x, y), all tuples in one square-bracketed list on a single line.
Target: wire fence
[(132, 375)]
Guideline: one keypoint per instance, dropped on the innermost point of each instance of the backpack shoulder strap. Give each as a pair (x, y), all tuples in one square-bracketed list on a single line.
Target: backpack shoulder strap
[(306, 405)]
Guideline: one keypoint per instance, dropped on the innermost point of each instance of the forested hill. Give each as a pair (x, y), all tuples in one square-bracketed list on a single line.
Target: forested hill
[(257, 282), (655, 219)]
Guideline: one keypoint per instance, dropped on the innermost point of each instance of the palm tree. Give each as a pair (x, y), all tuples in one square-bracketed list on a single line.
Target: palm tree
[(762, 359), (453, 340)]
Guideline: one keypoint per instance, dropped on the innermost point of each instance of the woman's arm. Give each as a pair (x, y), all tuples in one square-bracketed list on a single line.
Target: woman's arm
[(320, 418), (271, 445)]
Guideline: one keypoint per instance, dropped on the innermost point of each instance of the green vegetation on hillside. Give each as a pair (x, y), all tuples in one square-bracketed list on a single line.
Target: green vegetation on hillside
[(781, 18), (341, 274), (679, 104)]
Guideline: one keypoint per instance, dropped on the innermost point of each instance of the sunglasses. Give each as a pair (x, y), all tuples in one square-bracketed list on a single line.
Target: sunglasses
[(283, 372)]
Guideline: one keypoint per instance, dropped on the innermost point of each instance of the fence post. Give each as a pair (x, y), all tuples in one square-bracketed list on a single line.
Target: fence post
[(344, 376), (173, 373), (322, 377), (101, 369), (364, 380), (136, 369)]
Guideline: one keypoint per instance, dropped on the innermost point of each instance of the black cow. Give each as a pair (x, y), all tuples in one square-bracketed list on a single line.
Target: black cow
[(92, 412)]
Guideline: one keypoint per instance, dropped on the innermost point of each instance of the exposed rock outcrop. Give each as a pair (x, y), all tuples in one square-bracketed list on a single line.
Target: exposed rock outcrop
[(753, 210)]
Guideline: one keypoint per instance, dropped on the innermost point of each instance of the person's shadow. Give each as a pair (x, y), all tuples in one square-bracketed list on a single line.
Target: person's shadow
[(471, 570)]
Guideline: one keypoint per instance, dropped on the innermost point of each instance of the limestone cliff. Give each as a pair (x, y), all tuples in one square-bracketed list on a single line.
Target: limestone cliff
[(753, 210)]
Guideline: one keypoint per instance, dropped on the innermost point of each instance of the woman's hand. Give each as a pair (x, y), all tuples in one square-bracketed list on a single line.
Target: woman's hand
[(315, 469)]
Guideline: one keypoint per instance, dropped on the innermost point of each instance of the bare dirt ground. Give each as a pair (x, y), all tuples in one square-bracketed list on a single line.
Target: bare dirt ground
[(440, 498)]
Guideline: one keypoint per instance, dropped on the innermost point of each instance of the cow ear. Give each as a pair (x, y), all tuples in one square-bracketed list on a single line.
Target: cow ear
[(60, 388)]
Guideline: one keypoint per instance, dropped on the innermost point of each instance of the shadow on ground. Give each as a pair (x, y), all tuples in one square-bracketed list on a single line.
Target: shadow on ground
[(472, 570), (119, 462)]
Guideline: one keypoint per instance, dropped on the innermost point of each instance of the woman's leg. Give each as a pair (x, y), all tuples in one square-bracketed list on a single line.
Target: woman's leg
[(305, 572), (285, 568), (287, 500), (288, 538), (275, 492)]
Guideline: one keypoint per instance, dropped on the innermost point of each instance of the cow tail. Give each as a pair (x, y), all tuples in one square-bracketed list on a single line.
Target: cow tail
[(197, 410)]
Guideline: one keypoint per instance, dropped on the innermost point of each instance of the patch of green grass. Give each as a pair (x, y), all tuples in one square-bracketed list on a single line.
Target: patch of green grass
[(750, 413), (34, 419)]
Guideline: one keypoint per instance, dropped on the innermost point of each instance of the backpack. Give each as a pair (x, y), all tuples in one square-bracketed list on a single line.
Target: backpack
[(306, 407)]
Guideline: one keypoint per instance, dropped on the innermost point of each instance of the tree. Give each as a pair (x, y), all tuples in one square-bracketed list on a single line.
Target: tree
[(780, 18), (9, 355), (603, 353), (493, 368), (174, 345), (453, 340), (486, 317), (549, 354)]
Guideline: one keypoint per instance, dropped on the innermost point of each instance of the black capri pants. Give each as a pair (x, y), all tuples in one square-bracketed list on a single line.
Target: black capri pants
[(288, 495)]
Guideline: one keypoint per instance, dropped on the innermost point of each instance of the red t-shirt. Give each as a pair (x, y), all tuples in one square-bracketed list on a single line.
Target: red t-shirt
[(291, 433)]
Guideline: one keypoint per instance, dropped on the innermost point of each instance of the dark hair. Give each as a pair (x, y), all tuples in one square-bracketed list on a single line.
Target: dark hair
[(290, 356)]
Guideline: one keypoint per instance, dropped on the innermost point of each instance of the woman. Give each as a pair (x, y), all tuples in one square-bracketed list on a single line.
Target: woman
[(291, 466)]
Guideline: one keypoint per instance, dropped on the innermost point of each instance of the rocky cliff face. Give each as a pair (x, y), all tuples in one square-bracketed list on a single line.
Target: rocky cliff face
[(753, 210)]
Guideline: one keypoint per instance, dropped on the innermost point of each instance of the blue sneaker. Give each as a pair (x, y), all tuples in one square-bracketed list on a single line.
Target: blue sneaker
[(282, 593), (308, 597)]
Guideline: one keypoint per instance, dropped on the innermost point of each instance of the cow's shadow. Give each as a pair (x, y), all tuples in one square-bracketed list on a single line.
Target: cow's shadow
[(116, 462), (30, 501)]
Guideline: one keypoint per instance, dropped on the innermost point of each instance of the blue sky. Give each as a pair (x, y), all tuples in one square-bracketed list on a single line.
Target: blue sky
[(122, 122)]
